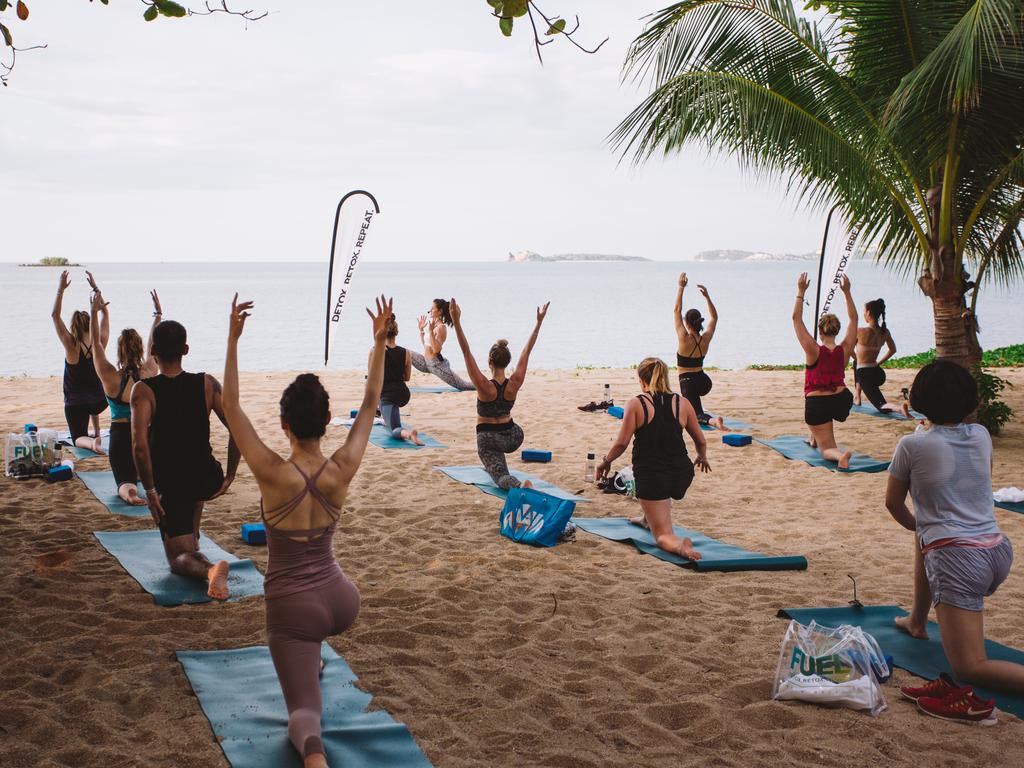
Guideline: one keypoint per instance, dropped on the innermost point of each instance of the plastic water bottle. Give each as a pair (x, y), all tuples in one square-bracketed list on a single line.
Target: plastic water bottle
[(591, 472), (608, 393)]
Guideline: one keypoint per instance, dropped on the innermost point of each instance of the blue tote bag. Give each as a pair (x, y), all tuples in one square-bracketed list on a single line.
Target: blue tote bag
[(532, 517)]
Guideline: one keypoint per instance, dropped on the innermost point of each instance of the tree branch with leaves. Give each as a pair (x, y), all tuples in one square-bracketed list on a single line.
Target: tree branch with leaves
[(507, 11)]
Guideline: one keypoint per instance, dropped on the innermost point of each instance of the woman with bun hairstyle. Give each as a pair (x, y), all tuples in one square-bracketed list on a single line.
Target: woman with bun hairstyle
[(869, 374), (308, 596), (133, 364), (395, 393), (694, 383), (496, 433), (433, 335), (654, 421), (826, 398)]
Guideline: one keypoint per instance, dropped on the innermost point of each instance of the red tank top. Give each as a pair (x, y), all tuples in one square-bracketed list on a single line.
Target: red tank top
[(829, 372)]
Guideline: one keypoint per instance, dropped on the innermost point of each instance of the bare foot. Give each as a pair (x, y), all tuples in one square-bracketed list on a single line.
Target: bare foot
[(811, 442), (129, 494), (686, 550), (905, 410), (857, 400), (718, 423), (319, 760), (322, 665), (844, 460), (218, 578), (97, 444), (414, 435), (639, 520), (527, 484), (914, 630)]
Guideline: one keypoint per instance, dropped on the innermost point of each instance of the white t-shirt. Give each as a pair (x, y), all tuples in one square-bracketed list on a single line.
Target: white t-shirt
[(949, 471)]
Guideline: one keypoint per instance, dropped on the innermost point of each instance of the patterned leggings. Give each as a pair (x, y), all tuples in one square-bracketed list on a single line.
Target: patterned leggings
[(440, 368), (492, 447)]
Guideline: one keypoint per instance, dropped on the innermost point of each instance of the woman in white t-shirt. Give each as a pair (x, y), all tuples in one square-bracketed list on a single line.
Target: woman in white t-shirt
[(961, 557)]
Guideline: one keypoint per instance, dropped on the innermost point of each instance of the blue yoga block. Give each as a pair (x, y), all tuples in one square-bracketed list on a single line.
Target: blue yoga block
[(62, 472), (532, 454), (31, 428), (254, 533), (734, 438), (617, 411), (353, 413)]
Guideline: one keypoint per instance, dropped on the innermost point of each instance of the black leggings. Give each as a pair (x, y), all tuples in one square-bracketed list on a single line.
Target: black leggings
[(122, 461), (693, 386), (78, 417), (870, 380)]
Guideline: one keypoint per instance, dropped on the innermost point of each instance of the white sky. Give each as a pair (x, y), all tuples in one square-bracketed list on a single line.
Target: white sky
[(203, 140)]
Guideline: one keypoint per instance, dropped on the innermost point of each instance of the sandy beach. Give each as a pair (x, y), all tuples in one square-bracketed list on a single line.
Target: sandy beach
[(496, 654)]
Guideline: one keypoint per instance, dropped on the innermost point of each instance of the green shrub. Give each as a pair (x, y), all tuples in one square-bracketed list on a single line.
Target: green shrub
[(993, 413)]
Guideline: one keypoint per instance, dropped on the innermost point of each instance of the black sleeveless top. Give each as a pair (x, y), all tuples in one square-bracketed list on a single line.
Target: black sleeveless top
[(179, 439), (659, 442), (81, 384), (395, 390), (498, 406), (691, 362)]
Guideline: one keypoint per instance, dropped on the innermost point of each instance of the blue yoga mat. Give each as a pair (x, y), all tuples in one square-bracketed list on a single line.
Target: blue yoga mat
[(735, 425), (716, 555), (436, 390), (870, 410), (1011, 506), (924, 658), (241, 697), (141, 553), (103, 488), (476, 475), (793, 447), (84, 453), (381, 437)]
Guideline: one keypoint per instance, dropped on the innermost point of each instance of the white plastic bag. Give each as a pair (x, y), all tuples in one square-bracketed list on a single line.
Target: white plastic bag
[(28, 454), (838, 666)]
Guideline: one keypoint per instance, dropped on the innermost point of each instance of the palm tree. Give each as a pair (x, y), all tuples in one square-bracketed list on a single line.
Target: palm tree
[(907, 114)]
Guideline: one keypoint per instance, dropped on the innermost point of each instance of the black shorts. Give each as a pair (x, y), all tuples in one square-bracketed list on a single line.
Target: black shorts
[(825, 408), (77, 417), (179, 517), (656, 483), (872, 376), (122, 461), (695, 383)]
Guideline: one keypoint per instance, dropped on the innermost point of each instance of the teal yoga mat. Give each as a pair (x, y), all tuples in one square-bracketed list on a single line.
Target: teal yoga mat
[(84, 453), (381, 437), (734, 425), (1011, 506), (103, 488), (793, 447), (241, 697), (923, 658), (141, 553), (436, 390), (476, 475), (870, 410), (716, 555)]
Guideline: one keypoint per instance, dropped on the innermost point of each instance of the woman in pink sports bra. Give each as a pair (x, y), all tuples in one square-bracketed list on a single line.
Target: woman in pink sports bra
[(826, 398), (308, 596)]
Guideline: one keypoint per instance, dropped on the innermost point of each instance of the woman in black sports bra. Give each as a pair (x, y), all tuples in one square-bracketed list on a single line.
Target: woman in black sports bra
[(83, 393), (694, 383), (654, 421), (496, 433)]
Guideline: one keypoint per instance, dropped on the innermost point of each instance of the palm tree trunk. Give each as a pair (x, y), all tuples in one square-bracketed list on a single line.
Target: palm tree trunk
[(956, 331)]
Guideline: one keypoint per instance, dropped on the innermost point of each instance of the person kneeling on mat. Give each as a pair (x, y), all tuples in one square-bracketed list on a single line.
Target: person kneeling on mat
[(171, 443), (960, 555), (496, 433), (869, 376), (654, 420), (395, 393), (826, 398), (693, 345)]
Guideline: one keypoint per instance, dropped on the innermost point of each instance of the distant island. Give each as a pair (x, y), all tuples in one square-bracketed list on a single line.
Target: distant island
[(51, 261), (531, 256), (728, 255)]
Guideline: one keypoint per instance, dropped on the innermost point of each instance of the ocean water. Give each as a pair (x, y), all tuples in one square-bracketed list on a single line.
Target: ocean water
[(602, 314)]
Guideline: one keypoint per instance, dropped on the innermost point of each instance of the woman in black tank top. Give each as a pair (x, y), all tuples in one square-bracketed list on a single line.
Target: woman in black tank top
[(395, 392), (496, 433), (654, 422)]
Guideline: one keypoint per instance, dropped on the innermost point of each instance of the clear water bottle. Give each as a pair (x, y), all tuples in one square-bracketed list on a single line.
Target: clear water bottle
[(608, 393), (591, 472)]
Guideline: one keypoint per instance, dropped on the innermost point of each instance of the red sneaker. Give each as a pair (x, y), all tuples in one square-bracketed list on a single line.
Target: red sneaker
[(936, 689), (961, 706)]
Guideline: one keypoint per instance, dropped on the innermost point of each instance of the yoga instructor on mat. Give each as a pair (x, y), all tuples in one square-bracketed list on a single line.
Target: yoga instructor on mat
[(694, 342), (308, 596), (826, 398), (654, 420)]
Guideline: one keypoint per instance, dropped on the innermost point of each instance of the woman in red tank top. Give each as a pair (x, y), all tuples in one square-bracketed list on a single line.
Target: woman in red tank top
[(826, 398)]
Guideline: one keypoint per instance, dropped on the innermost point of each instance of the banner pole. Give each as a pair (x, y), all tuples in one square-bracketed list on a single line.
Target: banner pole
[(821, 266), (330, 278)]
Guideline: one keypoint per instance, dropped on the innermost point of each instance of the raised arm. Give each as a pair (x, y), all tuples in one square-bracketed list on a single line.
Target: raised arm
[(481, 382), (104, 368), (261, 460), (66, 339), (519, 375), (149, 366), (103, 334), (677, 312), (850, 339), (142, 414), (712, 315), (350, 455), (802, 335), (428, 346)]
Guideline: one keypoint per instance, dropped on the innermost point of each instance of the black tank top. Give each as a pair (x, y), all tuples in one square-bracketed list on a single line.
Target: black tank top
[(499, 406), (659, 442), (81, 384), (691, 362), (179, 438), (395, 390)]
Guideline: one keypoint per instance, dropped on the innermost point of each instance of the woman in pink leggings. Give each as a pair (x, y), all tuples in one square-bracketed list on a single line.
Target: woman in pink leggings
[(308, 596)]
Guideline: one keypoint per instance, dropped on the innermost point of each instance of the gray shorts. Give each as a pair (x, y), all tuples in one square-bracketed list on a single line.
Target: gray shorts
[(964, 576)]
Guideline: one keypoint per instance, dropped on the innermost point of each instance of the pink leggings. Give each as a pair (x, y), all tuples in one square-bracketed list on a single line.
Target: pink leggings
[(296, 626)]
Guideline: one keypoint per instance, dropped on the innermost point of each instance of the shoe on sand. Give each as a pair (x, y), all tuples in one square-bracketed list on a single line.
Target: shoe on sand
[(936, 689), (960, 706)]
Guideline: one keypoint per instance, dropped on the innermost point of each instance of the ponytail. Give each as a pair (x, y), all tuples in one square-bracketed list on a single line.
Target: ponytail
[(654, 373), (876, 309), (80, 325), (446, 315)]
